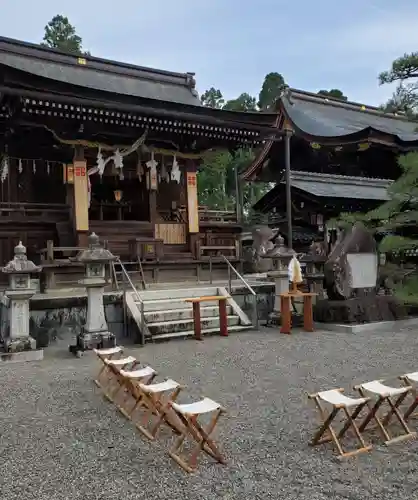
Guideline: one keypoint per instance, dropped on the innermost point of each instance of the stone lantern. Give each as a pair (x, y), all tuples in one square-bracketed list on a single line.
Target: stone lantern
[(19, 293), (281, 257), (94, 333)]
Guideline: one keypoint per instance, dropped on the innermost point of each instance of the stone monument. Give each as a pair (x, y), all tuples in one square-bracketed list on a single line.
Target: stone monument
[(95, 333), (16, 332), (351, 276)]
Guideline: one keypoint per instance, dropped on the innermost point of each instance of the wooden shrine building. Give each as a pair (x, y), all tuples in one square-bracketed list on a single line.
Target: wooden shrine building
[(341, 157), (88, 144)]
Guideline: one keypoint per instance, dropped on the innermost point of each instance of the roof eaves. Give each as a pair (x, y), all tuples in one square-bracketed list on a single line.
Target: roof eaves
[(22, 48)]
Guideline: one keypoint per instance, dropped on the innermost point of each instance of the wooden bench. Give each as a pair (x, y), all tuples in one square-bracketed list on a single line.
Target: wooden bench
[(223, 319), (286, 314)]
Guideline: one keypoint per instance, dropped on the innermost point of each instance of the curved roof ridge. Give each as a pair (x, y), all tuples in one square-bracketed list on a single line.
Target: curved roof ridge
[(23, 48), (301, 175), (351, 105)]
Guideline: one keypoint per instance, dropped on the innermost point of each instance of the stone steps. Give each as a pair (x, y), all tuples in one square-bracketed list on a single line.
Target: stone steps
[(182, 314), (167, 314), (187, 325), (164, 337)]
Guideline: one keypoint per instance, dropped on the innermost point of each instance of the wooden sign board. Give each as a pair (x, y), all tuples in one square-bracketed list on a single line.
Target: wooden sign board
[(192, 203)]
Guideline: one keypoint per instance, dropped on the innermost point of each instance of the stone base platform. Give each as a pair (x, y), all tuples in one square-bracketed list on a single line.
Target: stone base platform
[(375, 327), (22, 356), (359, 310)]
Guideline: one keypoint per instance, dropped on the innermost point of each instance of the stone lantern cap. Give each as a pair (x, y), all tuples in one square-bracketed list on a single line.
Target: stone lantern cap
[(20, 263), (95, 252), (280, 250)]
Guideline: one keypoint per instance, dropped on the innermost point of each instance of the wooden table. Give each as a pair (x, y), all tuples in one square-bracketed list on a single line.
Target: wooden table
[(223, 319), (286, 315)]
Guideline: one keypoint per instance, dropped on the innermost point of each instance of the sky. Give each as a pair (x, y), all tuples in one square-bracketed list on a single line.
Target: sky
[(232, 44)]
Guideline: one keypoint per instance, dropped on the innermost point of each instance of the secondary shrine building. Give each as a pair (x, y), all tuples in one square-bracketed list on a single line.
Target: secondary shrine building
[(88, 144), (342, 157)]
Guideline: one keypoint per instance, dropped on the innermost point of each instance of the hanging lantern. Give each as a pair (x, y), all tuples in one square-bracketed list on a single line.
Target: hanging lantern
[(34, 166), (118, 194), (20, 166), (363, 146), (48, 168), (315, 145)]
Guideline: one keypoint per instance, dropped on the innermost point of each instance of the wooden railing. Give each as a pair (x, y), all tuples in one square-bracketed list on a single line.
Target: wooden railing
[(43, 211), (206, 215)]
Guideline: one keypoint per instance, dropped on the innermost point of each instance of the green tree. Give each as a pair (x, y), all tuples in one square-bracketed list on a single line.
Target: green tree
[(243, 102), (404, 100), (405, 97), (270, 91), (336, 93), (212, 98), (396, 219), (403, 68), (61, 34)]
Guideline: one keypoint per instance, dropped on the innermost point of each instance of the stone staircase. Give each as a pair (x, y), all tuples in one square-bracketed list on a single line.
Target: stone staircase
[(167, 316)]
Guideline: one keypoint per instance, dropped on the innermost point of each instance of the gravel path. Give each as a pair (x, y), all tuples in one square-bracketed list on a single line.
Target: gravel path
[(61, 440)]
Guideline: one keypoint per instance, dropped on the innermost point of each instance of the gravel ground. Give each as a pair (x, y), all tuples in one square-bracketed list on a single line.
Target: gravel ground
[(61, 440)]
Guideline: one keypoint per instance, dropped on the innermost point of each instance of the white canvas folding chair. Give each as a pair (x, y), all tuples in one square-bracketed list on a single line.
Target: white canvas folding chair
[(156, 399), (129, 383), (392, 397), (351, 407), (102, 354), (188, 414), (113, 368), (411, 380)]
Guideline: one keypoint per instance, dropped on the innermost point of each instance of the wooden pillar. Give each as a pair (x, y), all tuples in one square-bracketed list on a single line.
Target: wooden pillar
[(288, 189), (81, 204), (192, 206), (192, 201)]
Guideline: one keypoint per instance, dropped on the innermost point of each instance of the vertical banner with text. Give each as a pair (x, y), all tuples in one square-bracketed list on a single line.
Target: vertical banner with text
[(192, 204), (81, 202)]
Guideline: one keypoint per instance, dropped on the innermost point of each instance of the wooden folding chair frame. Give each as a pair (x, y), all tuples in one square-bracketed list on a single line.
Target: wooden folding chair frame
[(320, 436), (103, 354), (159, 405), (125, 383), (114, 375), (409, 413), (383, 422), (199, 434)]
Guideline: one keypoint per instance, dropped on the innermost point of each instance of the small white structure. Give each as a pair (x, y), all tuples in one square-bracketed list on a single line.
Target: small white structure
[(19, 293), (95, 333)]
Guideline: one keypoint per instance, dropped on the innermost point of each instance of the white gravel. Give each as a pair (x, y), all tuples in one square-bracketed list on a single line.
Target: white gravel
[(61, 440)]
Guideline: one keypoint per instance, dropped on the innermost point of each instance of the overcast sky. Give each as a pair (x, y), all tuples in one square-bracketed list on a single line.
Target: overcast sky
[(232, 44)]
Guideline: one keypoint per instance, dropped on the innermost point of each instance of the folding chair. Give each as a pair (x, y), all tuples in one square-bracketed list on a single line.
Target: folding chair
[(129, 383), (188, 414), (411, 380), (156, 400), (392, 397), (351, 407), (113, 372), (103, 354)]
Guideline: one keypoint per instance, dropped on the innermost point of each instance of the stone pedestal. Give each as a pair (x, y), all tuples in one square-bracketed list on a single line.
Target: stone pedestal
[(281, 258), (95, 333), (17, 335), (281, 284)]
